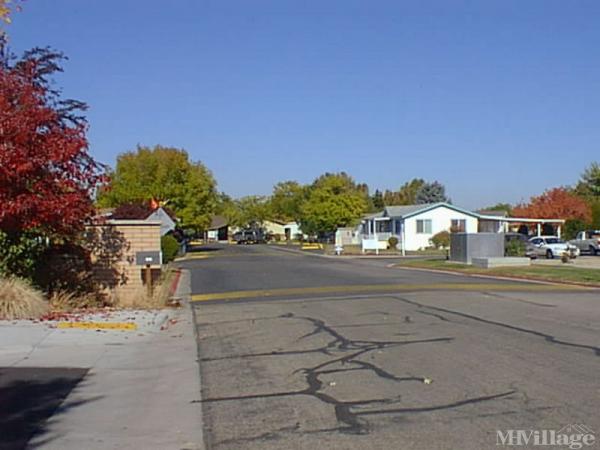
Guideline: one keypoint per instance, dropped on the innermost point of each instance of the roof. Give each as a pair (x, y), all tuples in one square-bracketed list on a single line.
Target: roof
[(521, 219), (138, 211), (406, 211), (373, 215), (218, 222), (492, 212)]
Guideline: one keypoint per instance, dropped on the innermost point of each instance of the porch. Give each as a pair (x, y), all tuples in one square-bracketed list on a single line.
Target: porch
[(376, 232)]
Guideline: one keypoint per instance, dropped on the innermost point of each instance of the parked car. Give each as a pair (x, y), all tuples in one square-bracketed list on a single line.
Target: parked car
[(551, 246), (587, 241)]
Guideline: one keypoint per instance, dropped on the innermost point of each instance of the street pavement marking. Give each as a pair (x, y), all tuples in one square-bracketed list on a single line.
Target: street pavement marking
[(98, 325), (312, 247), (195, 256), (233, 295), (238, 255)]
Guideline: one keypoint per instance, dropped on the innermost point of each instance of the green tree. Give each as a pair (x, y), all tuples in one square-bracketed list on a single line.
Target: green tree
[(406, 195), (286, 202), (505, 207), (589, 185), (228, 208), (431, 193), (377, 200), (572, 227), (334, 200), (166, 175), (595, 206), (253, 210)]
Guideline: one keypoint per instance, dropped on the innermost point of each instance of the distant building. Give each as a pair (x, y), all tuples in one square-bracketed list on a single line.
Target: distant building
[(218, 231), (285, 230)]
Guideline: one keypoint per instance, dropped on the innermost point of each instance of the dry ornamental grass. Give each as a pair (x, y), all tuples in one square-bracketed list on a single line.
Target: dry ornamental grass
[(19, 300)]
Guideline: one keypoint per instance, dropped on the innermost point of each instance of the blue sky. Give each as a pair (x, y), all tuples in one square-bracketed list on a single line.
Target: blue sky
[(498, 100)]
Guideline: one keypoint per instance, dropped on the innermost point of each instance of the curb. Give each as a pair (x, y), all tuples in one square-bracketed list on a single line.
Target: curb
[(175, 283), (498, 277)]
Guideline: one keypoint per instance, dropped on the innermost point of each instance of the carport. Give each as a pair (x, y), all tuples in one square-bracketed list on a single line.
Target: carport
[(505, 222)]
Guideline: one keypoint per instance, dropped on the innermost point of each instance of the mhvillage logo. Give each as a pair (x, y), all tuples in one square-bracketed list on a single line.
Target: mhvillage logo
[(573, 436)]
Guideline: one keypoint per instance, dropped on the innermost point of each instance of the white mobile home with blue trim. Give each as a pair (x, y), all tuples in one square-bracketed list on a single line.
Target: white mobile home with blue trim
[(415, 225)]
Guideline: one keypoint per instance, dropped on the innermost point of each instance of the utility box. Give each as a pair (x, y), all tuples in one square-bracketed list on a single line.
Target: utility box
[(466, 246)]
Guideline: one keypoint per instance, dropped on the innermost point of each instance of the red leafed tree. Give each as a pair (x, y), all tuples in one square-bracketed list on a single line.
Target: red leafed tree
[(557, 203), (47, 175)]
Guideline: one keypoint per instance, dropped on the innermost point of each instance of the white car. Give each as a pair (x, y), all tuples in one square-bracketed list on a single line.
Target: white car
[(552, 246)]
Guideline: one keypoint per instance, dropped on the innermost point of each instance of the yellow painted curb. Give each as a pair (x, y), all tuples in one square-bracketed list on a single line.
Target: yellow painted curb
[(193, 256), (98, 325), (312, 247), (380, 288)]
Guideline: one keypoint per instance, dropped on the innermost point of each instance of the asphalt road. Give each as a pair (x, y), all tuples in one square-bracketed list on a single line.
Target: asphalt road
[(351, 354)]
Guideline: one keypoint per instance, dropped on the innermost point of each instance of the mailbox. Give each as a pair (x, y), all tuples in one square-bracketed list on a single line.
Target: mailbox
[(148, 258)]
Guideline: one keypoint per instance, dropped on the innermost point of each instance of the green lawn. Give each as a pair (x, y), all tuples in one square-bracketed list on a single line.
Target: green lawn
[(564, 273)]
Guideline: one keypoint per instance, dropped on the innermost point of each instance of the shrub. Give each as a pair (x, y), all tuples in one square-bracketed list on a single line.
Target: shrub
[(572, 227), (514, 247), (19, 300), (393, 242), (62, 300), (169, 247), (64, 267), (139, 298), (441, 240), (20, 254)]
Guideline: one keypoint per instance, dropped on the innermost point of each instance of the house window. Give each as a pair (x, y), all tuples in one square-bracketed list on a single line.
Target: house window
[(424, 226), (458, 225)]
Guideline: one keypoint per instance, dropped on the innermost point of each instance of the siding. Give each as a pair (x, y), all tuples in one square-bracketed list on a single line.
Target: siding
[(441, 219)]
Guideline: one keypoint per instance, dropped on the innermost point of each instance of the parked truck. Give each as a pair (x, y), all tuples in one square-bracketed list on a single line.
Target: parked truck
[(250, 236), (588, 241)]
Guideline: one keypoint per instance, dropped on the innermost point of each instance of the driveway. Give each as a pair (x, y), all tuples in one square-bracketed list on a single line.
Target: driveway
[(304, 352)]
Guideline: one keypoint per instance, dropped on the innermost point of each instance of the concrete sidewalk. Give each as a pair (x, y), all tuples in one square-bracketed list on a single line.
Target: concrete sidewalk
[(138, 391)]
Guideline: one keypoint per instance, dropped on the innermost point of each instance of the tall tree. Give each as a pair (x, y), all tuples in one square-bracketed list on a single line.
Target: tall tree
[(503, 207), (47, 175), (589, 185), (334, 201), (431, 193), (377, 199), (253, 210), (286, 201), (406, 195), (46, 172), (164, 174), (557, 203), (228, 208)]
